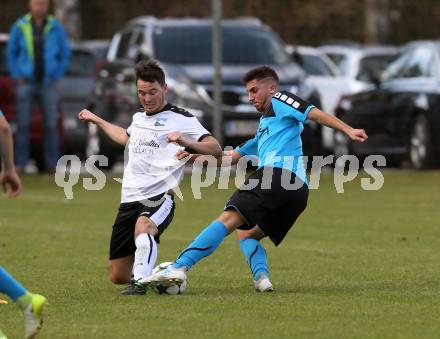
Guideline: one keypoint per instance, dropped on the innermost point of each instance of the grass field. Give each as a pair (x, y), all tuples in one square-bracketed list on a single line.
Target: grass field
[(357, 265)]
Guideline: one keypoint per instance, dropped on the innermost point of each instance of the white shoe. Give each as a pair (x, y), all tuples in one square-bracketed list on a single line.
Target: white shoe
[(263, 284), (169, 276)]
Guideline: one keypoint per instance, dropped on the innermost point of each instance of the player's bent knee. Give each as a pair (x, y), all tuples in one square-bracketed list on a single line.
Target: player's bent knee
[(118, 278), (120, 270), (231, 219), (254, 233), (242, 234), (145, 225)]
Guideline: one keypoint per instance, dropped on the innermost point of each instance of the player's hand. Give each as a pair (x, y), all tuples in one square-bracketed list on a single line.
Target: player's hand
[(357, 135), (182, 154), (9, 180), (179, 139), (86, 115)]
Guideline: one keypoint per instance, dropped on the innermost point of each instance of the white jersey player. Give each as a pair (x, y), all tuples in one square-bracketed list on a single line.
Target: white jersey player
[(154, 140)]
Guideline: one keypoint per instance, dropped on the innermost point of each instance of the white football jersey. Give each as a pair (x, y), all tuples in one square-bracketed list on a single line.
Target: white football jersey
[(152, 167)]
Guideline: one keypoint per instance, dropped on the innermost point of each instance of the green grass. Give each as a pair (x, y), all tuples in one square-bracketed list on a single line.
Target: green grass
[(364, 264)]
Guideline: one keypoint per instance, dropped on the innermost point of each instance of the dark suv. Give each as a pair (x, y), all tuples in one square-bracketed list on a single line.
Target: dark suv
[(183, 46)]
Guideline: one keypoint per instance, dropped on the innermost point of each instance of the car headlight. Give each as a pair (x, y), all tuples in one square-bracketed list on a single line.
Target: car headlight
[(345, 104), (184, 90)]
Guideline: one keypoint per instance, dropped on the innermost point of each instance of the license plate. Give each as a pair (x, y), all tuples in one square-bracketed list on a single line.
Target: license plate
[(240, 128)]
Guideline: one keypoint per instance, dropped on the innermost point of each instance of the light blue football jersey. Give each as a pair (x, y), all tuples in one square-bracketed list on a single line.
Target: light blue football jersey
[(277, 142)]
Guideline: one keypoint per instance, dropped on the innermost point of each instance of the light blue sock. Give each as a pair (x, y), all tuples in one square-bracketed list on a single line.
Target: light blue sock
[(256, 257), (9, 286), (202, 246)]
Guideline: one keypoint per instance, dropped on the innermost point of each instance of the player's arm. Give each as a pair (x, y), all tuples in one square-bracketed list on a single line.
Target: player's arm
[(9, 177), (230, 158), (289, 105), (207, 146), (227, 159), (331, 121), (116, 133), (6, 146)]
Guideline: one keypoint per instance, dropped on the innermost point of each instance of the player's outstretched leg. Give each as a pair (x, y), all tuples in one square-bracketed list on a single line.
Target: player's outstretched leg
[(33, 305), (202, 246), (256, 258)]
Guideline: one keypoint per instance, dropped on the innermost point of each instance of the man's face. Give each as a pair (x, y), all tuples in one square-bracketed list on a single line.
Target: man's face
[(39, 8), (260, 92), (151, 95)]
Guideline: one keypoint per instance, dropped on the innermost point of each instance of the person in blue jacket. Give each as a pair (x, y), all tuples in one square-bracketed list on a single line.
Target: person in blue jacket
[(38, 54)]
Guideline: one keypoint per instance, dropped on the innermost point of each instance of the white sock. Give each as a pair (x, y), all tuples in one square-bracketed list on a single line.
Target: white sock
[(145, 256)]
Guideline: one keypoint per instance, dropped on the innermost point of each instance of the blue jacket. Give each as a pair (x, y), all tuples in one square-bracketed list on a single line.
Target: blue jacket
[(20, 50)]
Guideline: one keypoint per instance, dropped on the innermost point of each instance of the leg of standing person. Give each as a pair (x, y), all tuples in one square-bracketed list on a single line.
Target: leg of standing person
[(25, 102), (49, 106)]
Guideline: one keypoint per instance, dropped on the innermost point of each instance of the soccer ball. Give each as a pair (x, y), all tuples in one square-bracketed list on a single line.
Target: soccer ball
[(163, 289)]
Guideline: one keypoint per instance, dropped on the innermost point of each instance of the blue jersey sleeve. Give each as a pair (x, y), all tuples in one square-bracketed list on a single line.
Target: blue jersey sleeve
[(286, 104), (1, 113), (249, 147)]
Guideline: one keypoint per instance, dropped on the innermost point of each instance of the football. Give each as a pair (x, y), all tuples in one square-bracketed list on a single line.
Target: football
[(164, 289)]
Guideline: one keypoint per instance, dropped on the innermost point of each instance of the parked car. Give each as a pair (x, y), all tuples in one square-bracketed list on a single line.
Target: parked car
[(183, 46), (401, 114), (8, 106), (75, 90), (325, 76), (359, 66)]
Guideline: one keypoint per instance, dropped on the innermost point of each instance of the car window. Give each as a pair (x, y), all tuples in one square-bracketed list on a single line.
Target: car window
[(137, 40), (314, 65), (81, 64), (100, 52), (340, 60), (370, 66), (124, 45), (3, 64), (192, 45), (420, 64), (417, 62)]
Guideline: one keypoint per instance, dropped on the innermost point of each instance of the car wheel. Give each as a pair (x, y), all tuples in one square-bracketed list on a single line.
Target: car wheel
[(420, 145)]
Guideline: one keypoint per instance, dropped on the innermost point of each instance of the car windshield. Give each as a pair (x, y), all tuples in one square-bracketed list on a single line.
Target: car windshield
[(81, 64), (416, 61), (371, 66), (314, 65), (3, 65), (340, 60), (241, 45)]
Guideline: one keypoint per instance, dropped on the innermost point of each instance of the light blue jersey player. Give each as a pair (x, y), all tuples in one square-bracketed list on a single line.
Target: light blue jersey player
[(270, 207), (277, 142)]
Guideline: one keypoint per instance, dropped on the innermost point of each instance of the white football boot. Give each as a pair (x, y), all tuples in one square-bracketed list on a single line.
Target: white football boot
[(169, 276), (263, 284)]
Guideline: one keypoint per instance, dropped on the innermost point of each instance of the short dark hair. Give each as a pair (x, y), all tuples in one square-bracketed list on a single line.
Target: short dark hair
[(150, 71), (259, 73)]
